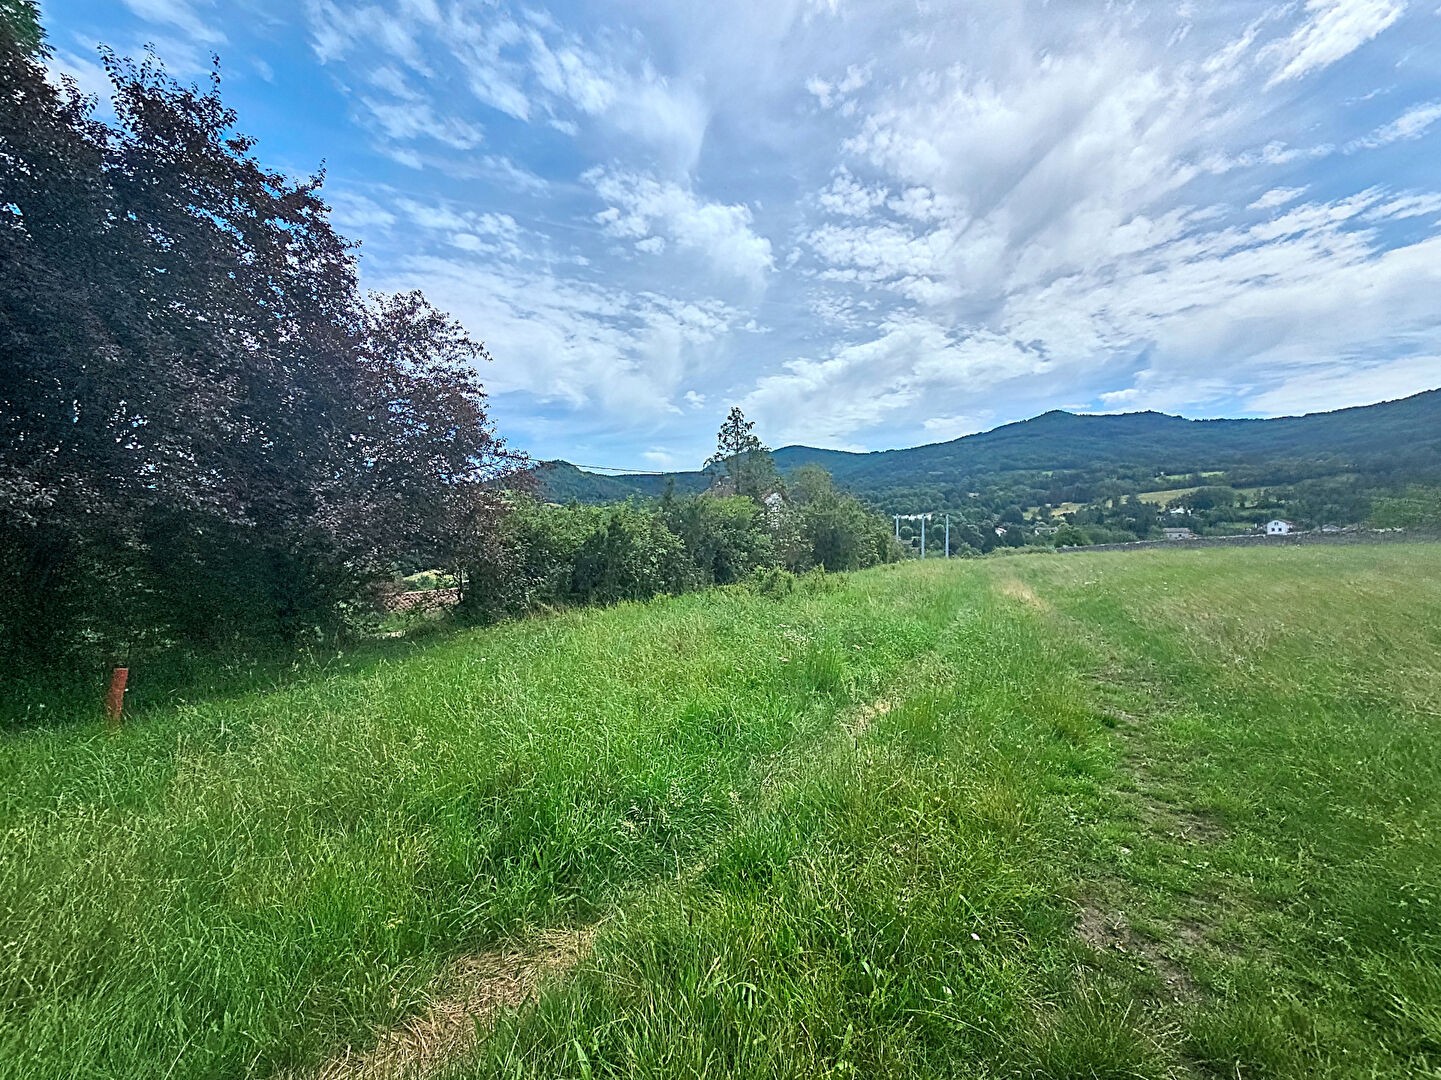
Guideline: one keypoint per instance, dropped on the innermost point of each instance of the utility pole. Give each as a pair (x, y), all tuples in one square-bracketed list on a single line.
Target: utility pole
[(923, 518), (948, 536)]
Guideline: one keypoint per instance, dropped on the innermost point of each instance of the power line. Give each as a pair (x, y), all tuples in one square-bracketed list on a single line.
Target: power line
[(923, 518), (617, 468)]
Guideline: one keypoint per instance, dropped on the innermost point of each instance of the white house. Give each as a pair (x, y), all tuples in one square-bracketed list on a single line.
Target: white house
[(1279, 527)]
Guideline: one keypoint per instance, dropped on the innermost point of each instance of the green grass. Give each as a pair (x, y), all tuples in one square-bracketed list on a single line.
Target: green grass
[(851, 831), (1161, 498)]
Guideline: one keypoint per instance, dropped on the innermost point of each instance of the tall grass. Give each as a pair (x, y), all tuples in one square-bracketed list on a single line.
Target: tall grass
[(840, 832)]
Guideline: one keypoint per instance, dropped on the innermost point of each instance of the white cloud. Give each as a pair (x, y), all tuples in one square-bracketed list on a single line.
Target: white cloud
[(833, 93), (914, 362), (1334, 29), (181, 15), (358, 214), (1421, 204), (337, 31), (643, 207), (523, 65), (1411, 124), (1047, 228), (582, 345), (1277, 197), (89, 75), (1096, 204), (408, 120), (945, 428), (849, 198), (1337, 385)]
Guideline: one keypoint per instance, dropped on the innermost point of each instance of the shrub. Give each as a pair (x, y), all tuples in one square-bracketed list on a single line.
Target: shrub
[(631, 556), (773, 581)]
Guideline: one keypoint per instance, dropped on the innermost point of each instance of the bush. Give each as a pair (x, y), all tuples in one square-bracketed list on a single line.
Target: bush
[(631, 556), (828, 528), (543, 555), (773, 581), (725, 538)]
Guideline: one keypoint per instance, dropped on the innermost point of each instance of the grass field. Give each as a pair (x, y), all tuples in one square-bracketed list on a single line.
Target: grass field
[(1161, 498), (1144, 814)]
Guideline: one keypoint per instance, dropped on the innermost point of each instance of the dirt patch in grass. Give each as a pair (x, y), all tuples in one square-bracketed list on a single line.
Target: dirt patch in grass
[(1187, 826), (1109, 933), (463, 1006), (1019, 590), (859, 721), (1167, 819)]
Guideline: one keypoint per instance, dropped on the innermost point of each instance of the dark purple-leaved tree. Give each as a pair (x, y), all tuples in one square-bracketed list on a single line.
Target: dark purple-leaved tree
[(207, 430)]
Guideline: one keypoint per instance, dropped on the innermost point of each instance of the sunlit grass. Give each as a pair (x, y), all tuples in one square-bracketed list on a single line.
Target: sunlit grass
[(845, 832)]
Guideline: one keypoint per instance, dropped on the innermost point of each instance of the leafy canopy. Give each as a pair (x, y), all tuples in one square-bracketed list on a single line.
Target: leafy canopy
[(746, 459), (207, 430)]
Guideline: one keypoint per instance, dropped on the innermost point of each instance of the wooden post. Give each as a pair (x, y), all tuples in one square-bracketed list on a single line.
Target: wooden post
[(115, 698)]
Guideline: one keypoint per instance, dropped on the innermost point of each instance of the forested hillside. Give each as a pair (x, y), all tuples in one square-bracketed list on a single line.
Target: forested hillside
[(1062, 479), (1074, 458)]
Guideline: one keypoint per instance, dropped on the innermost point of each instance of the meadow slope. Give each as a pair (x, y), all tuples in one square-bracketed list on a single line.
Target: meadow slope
[(1143, 814)]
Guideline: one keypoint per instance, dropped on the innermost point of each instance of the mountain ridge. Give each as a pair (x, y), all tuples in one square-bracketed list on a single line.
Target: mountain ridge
[(1124, 445)]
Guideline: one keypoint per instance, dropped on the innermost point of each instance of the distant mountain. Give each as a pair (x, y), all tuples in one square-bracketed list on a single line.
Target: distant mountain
[(1060, 455)]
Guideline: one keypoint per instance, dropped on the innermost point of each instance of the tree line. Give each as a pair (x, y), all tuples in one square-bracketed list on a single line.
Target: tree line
[(545, 555), (210, 434), (208, 431)]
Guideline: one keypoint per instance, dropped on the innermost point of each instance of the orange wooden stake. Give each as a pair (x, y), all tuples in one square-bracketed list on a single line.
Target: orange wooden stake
[(115, 699)]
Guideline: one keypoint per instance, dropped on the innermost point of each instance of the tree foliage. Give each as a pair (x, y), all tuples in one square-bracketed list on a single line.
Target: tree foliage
[(549, 556), (832, 529), (20, 25), (206, 429), (747, 460)]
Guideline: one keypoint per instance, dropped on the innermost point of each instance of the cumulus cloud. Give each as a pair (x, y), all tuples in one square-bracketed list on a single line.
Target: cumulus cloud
[(1112, 206), (913, 362), (1052, 227), (645, 209), (833, 93), (584, 345)]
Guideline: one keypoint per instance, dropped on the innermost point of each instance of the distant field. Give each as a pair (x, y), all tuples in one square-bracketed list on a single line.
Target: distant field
[(1161, 498), (1208, 475), (1151, 814)]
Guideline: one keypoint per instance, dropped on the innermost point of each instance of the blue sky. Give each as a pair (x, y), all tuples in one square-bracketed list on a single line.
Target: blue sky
[(869, 224)]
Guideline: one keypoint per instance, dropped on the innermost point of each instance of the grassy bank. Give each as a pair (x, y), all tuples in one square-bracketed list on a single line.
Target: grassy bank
[(1145, 814)]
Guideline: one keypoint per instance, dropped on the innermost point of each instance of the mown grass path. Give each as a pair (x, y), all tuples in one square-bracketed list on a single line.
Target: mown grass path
[(848, 832), (1280, 840)]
